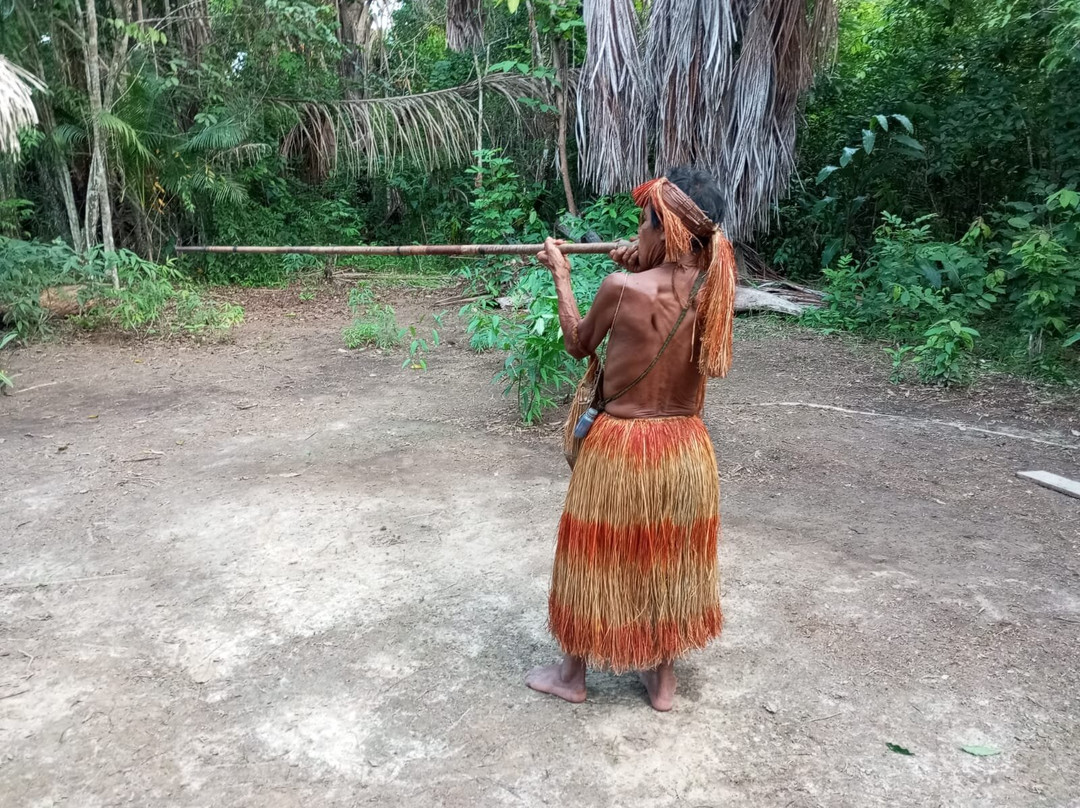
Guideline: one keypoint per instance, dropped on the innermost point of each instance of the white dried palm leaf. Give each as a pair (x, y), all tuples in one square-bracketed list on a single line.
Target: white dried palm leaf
[(464, 25), (726, 78), (689, 56), (371, 135), (749, 145), (613, 98), (16, 105)]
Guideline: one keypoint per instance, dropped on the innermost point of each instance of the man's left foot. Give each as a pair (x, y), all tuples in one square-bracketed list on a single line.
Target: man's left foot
[(564, 679)]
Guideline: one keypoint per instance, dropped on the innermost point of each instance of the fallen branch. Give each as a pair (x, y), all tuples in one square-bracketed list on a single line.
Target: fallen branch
[(385, 276), (32, 584), (35, 387), (1055, 482), (749, 299), (153, 455)]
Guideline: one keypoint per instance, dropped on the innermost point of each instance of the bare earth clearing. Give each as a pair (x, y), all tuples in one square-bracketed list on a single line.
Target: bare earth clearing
[(272, 573)]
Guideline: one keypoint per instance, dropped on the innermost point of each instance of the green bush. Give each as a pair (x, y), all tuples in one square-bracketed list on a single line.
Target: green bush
[(151, 298), (1015, 278), (538, 371), (373, 323)]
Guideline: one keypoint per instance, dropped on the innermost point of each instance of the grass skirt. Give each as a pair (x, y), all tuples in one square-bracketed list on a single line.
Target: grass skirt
[(636, 579)]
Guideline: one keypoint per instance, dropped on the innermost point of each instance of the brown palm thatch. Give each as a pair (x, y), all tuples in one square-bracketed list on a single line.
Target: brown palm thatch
[(689, 53), (613, 99), (371, 135), (464, 25), (16, 105), (781, 43), (723, 83)]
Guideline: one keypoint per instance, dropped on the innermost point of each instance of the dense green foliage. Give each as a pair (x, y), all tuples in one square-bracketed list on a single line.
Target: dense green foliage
[(942, 157), (151, 298)]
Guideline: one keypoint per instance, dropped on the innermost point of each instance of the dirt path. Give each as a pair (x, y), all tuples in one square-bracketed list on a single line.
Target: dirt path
[(272, 573)]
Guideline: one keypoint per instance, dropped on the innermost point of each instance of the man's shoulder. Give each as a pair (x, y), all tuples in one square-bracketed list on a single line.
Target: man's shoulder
[(648, 282)]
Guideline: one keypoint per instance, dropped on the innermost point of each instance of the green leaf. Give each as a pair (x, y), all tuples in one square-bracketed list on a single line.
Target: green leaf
[(899, 749), (825, 172), (845, 158), (1019, 223), (1068, 198), (512, 6), (909, 142), (906, 122), (883, 122), (1075, 338), (931, 273), (981, 751), (868, 138)]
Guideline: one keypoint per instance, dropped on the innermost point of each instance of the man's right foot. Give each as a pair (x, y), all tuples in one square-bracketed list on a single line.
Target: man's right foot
[(660, 682), (564, 679)]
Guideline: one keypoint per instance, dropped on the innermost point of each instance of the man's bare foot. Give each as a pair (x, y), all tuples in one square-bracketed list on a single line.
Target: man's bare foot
[(564, 679), (660, 682)]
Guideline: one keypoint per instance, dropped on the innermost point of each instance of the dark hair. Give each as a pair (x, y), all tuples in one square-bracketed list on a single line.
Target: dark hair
[(700, 186)]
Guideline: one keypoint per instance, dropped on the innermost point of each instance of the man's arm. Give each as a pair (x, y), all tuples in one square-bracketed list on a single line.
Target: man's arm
[(581, 335)]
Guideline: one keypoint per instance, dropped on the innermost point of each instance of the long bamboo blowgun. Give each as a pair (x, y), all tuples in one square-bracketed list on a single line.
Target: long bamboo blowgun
[(415, 249)]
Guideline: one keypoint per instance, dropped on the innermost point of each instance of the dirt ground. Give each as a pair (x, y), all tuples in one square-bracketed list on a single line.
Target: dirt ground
[(276, 573)]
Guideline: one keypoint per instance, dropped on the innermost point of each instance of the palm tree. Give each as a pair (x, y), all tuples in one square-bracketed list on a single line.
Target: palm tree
[(711, 83), (16, 106), (432, 130)]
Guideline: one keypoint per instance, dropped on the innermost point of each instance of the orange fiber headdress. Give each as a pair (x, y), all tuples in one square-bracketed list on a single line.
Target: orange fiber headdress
[(683, 221)]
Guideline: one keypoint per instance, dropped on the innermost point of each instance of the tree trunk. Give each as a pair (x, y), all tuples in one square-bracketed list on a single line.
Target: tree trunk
[(98, 203), (355, 33), (62, 176), (534, 35), (559, 55), (57, 165), (479, 122)]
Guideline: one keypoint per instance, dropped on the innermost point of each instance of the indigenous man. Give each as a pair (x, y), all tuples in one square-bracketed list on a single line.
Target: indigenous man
[(635, 582)]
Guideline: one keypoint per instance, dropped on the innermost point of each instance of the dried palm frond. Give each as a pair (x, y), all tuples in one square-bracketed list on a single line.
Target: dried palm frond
[(824, 27), (781, 43), (689, 47), (464, 25), (613, 99), (371, 135), (16, 106), (726, 78), (749, 157)]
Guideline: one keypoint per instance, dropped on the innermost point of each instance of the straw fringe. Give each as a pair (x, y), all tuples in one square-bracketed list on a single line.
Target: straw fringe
[(719, 89), (636, 581), (613, 98), (716, 308)]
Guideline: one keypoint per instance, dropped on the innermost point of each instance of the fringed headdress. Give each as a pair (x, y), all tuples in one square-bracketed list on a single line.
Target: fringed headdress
[(683, 222)]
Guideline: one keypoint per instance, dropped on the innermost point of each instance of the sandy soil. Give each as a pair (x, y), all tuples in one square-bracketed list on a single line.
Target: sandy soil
[(275, 573)]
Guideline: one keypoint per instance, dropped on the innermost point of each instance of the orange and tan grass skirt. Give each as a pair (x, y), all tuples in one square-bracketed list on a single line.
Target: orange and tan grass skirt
[(636, 578)]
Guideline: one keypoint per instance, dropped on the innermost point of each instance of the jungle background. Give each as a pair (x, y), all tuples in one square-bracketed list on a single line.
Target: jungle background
[(934, 196)]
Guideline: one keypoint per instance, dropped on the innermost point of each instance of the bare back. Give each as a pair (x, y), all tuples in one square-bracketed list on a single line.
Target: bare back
[(647, 311)]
